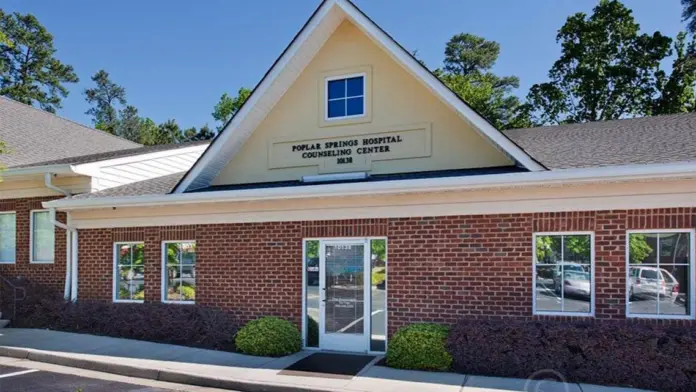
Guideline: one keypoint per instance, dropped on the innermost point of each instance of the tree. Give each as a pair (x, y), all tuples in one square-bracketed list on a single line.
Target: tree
[(639, 249), (4, 40), (466, 54), (677, 90), (168, 132), (104, 97), (149, 132), (228, 106), (29, 71), (128, 125), (165, 133), (193, 134), (492, 100), (689, 14), (607, 69), (468, 61)]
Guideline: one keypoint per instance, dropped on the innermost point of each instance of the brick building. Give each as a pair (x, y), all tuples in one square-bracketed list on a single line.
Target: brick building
[(48, 157), (354, 194)]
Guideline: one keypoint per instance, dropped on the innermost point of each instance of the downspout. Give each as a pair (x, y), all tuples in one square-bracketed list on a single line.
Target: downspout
[(70, 291), (48, 178)]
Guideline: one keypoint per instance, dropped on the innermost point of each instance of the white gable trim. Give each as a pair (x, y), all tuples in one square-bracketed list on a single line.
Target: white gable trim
[(288, 67)]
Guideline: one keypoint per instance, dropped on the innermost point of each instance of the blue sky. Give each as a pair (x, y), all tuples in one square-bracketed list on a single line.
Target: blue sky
[(175, 58)]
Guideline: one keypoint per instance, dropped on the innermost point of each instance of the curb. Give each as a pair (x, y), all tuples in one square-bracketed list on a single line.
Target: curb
[(153, 374)]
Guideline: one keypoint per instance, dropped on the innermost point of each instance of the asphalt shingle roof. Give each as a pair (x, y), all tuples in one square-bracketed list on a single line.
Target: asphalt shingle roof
[(659, 139), (154, 186), (117, 154), (33, 136)]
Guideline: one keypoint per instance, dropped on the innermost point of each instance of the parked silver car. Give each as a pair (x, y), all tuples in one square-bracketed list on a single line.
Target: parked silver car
[(576, 283), (649, 281)]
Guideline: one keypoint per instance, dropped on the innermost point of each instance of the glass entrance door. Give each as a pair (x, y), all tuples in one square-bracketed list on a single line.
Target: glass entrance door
[(343, 293)]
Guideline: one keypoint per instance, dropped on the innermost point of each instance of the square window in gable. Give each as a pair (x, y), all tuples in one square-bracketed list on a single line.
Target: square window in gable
[(345, 97)]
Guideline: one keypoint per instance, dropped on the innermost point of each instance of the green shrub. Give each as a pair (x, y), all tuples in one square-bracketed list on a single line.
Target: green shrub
[(188, 293), (378, 276), (269, 337), (312, 332), (420, 347)]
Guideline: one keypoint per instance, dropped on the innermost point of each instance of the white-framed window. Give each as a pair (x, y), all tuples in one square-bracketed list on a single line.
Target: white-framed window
[(8, 237), (179, 271), (43, 237), (564, 276), (345, 97), (129, 272), (659, 274)]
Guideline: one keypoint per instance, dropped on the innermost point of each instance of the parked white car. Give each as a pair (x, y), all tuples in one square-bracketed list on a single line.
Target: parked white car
[(648, 281)]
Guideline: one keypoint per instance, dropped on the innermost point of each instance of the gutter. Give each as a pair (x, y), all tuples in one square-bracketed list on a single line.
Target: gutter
[(54, 169), (494, 181), (70, 291)]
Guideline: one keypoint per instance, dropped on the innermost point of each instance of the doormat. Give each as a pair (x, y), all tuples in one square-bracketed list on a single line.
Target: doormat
[(328, 365)]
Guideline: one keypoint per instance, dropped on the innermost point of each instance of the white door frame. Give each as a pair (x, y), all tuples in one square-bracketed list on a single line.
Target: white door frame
[(338, 341)]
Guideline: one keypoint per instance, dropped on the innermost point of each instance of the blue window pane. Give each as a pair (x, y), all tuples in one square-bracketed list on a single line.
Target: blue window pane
[(355, 86), (355, 106), (337, 108), (337, 88)]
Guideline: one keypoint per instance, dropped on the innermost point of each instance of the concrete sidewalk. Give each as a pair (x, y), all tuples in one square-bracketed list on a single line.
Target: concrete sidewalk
[(233, 371)]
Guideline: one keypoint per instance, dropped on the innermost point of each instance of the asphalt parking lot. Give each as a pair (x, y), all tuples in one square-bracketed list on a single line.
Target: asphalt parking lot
[(18, 379)]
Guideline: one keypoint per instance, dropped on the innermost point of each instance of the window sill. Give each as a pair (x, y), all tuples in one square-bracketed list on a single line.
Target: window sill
[(563, 314), (179, 302), (128, 301), (347, 120), (7, 262), (659, 317), (41, 262)]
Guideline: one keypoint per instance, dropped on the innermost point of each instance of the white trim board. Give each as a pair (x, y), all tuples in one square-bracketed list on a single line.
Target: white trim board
[(494, 181), (289, 66), (614, 202)]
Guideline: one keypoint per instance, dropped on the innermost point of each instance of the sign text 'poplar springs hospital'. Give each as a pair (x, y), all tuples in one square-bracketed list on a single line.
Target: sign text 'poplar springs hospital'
[(344, 149)]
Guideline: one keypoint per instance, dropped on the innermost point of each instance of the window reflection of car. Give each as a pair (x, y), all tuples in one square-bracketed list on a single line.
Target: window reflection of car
[(313, 271), (649, 282), (575, 283), (565, 268)]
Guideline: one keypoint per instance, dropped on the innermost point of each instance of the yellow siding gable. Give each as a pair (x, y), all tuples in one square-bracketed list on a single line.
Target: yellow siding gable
[(407, 128)]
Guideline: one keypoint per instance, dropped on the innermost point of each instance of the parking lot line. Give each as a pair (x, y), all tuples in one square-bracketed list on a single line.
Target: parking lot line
[(19, 373)]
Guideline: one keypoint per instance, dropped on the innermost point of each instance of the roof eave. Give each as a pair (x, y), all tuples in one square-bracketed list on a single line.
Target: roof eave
[(493, 181), (36, 170)]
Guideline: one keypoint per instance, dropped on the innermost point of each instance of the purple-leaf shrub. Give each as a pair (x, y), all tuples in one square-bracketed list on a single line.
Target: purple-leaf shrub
[(187, 325), (605, 353)]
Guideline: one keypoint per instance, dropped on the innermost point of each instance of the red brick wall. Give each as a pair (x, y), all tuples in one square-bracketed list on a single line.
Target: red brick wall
[(52, 275), (439, 268)]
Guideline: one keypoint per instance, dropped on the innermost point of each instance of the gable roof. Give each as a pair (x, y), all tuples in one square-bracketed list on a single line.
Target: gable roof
[(33, 136), (646, 140), (301, 50)]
